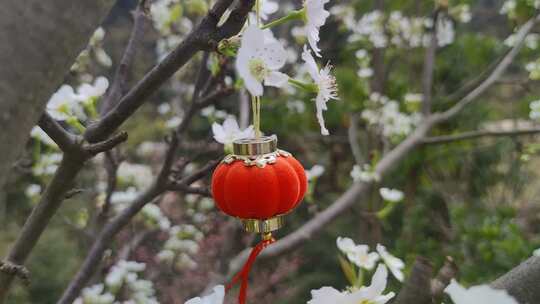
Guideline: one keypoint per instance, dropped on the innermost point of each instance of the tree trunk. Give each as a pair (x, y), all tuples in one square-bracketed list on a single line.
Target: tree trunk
[(40, 41)]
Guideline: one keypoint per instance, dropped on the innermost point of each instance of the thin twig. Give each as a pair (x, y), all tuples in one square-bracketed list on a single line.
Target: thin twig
[(119, 81), (429, 66), (477, 134)]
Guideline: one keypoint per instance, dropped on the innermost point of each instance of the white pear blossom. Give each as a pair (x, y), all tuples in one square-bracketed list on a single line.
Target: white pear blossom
[(87, 91), (120, 199), (372, 294), (267, 7), (326, 86), (364, 174), (102, 57), (534, 114), (536, 252), (391, 195), (534, 69), (357, 254), (315, 18), (63, 103), (47, 164), (32, 190), (229, 131), (314, 172), (394, 264), (478, 294), (139, 175), (385, 114), (173, 122), (95, 295), (164, 108), (258, 61), (216, 297), (445, 31), (153, 213)]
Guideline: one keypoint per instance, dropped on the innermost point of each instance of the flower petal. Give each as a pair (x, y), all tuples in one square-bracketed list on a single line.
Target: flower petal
[(276, 79), (311, 65), (273, 54), (320, 104)]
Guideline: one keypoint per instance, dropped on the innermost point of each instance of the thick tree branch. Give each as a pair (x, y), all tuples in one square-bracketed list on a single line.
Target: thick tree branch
[(38, 220), (443, 278), (66, 141), (522, 282), (477, 134), (417, 288)]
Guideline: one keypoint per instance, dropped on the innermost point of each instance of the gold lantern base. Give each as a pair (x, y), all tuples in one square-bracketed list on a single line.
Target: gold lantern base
[(263, 226)]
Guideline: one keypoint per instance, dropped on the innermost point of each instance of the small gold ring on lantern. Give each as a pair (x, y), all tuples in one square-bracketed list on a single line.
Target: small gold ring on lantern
[(255, 146), (263, 226)]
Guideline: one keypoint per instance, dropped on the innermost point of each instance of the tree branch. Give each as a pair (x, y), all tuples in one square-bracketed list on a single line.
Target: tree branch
[(117, 88), (522, 282), (66, 141), (417, 288), (443, 278), (477, 134), (496, 73), (429, 67)]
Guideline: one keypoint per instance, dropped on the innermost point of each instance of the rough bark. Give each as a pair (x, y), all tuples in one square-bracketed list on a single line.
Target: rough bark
[(522, 282), (417, 288), (40, 41)]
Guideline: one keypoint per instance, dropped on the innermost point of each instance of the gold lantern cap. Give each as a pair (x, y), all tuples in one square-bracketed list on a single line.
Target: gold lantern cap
[(255, 146)]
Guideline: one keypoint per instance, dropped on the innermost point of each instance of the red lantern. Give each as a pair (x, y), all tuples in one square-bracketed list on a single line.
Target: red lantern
[(258, 184)]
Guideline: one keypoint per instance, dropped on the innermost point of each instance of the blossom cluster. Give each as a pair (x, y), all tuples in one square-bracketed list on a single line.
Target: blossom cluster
[(385, 115), (94, 50), (181, 246), (66, 103), (122, 281), (395, 29)]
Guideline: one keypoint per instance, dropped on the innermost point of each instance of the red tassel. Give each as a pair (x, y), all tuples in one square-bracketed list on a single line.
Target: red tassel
[(243, 274)]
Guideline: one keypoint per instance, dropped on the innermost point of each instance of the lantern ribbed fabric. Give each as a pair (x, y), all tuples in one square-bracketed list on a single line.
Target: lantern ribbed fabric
[(251, 192)]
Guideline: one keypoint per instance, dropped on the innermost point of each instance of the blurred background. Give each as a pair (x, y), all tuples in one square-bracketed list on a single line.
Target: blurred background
[(473, 200)]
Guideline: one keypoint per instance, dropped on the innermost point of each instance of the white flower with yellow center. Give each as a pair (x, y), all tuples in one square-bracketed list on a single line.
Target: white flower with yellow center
[(259, 60), (372, 294), (63, 104), (325, 86)]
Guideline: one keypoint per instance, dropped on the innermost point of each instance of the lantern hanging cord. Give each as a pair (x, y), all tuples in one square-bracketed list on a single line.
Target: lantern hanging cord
[(243, 274), (256, 110)]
